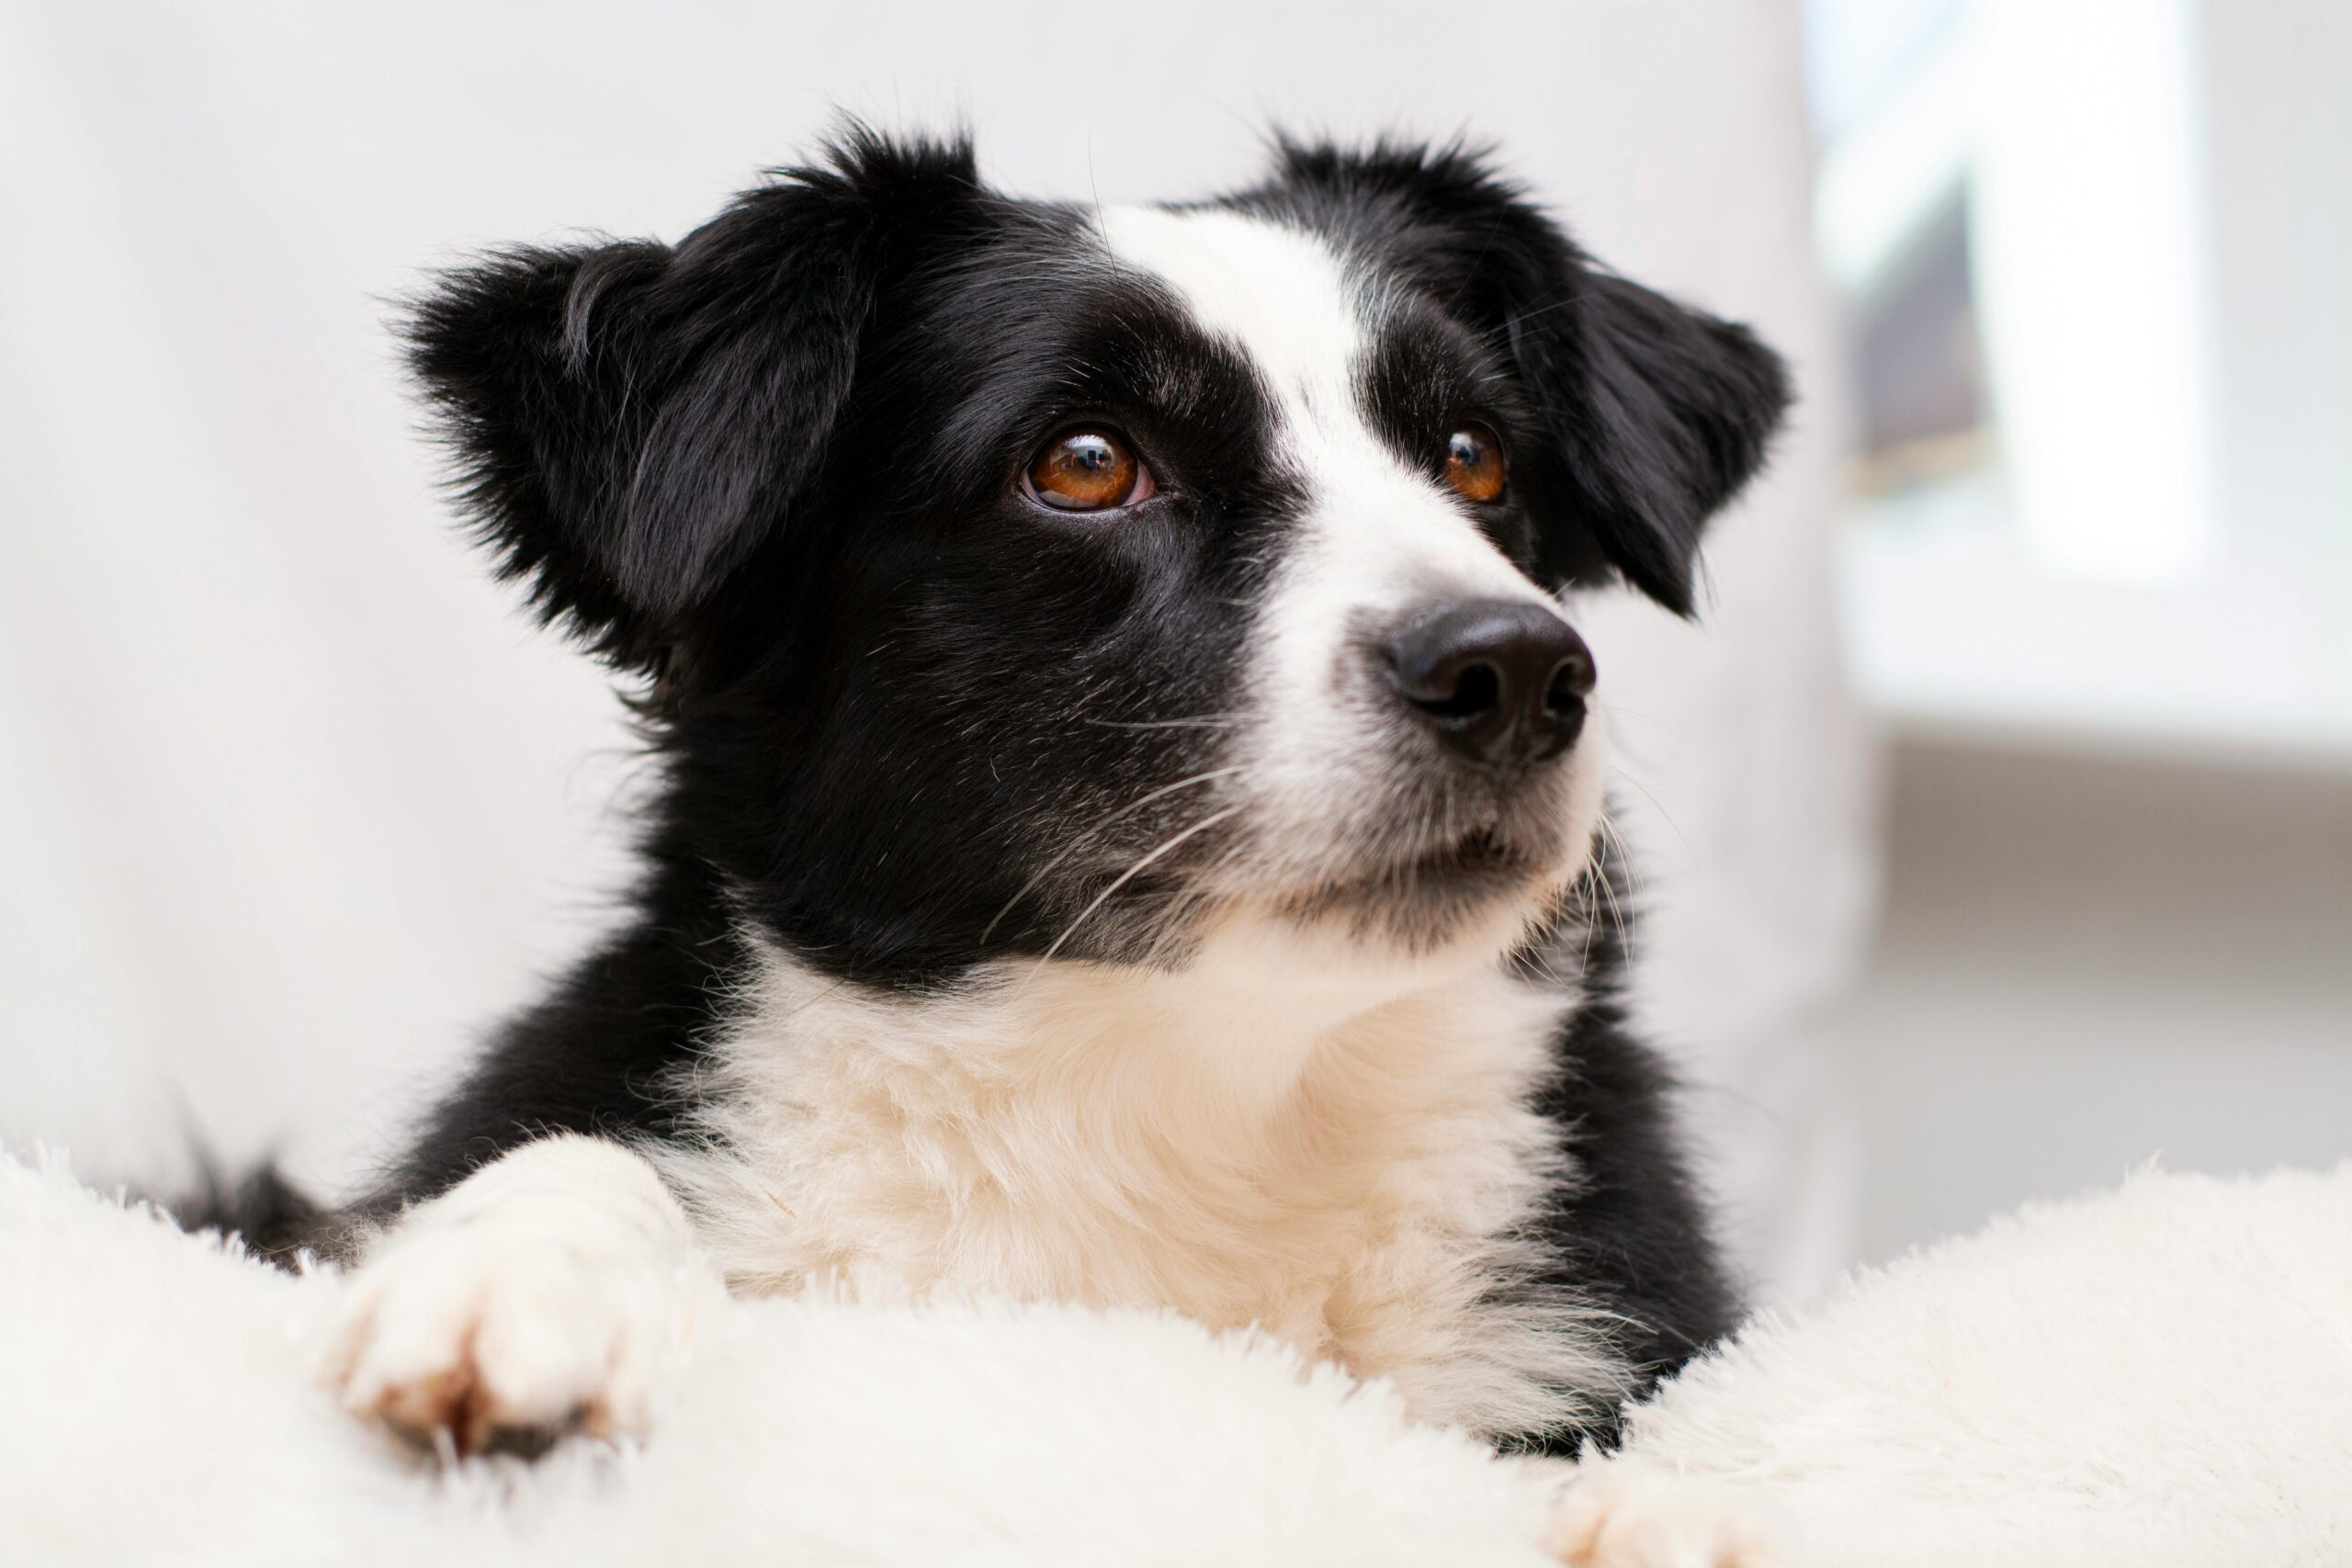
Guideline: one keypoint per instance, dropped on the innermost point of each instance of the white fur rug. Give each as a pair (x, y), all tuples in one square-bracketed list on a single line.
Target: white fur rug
[(2158, 1376)]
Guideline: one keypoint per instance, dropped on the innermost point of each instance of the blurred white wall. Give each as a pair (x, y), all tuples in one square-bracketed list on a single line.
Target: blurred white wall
[(2093, 258), (292, 802), (2092, 962)]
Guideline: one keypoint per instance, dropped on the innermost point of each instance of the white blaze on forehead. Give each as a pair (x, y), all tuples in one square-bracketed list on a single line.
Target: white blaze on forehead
[(1380, 542), (1278, 292), (1286, 301)]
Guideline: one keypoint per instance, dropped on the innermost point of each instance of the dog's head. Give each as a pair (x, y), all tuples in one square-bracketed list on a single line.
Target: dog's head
[(1016, 578)]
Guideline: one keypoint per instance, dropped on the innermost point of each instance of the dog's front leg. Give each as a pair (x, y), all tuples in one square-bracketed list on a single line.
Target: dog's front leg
[(556, 1288), (1613, 1513)]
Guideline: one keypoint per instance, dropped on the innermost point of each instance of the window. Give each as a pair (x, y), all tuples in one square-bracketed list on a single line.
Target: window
[(2092, 258)]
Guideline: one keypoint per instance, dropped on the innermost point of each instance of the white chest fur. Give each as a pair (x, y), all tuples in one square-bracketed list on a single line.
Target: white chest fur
[(1351, 1177)]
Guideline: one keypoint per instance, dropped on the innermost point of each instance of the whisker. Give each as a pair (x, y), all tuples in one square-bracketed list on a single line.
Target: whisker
[(1199, 891), (1590, 888), (1623, 859), (1608, 885), (1205, 721), (1650, 795), (1202, 826), (1079, 840)]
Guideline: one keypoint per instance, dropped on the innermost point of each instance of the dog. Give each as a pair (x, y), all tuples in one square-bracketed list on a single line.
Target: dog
[(1129, 818)]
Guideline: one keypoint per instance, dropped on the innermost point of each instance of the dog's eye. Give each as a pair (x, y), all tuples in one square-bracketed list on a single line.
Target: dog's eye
[(1087, 470), (1473, 463)]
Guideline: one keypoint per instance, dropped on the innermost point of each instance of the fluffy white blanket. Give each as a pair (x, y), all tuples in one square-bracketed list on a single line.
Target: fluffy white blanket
[(2162, 1375)]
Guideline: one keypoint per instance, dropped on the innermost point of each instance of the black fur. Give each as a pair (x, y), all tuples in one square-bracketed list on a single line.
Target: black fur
[(897, 710), (259, 1208), (1632, 1231), (1652, 415)]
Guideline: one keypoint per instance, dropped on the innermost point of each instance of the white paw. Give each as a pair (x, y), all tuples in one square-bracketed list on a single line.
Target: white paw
[(520, 1313), (1612, 1517)]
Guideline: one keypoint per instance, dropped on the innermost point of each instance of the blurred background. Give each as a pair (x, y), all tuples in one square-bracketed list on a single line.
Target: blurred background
[(1995, 822)]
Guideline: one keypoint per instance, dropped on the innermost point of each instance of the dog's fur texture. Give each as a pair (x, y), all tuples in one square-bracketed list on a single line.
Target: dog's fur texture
[(2157, 1377), (1058, 906)]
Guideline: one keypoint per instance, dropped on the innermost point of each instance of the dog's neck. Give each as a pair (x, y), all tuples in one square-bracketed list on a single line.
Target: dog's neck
[(1243, 1020), (1340, 1154), (1130, 1078)]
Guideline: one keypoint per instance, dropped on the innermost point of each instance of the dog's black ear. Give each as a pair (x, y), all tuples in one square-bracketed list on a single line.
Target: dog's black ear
[(631, 420), (1663, 414), (1654, 415)]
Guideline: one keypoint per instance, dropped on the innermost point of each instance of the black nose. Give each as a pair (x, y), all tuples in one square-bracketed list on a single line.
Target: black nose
[(1502, 682)]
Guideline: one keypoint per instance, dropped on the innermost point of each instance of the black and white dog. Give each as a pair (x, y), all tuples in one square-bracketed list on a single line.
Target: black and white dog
[(1130, 791)]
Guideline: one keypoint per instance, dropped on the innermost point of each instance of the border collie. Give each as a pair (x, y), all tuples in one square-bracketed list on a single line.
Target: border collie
[(1130, 801)]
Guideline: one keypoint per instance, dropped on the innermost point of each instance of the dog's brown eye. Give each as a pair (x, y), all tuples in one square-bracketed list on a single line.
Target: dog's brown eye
[(1473, 463), (1087, 470)]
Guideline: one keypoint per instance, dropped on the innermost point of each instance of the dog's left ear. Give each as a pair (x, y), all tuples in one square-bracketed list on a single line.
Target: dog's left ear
[(1653, 414), (1662, 413)]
